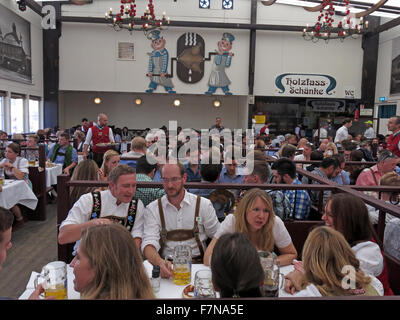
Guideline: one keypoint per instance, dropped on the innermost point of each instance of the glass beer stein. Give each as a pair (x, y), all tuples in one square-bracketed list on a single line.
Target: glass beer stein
[(182, 265), (54, 280), (270, 265), (2, 177), (203, 286)]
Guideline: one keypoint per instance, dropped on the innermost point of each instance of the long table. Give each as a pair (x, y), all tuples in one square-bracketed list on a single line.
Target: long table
[(168, 290)]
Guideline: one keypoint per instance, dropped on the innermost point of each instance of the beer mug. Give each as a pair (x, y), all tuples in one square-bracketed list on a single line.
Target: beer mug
[(54, 280), (203, 286), (182, 265), (31, 160), (270, 265), (2, 177)]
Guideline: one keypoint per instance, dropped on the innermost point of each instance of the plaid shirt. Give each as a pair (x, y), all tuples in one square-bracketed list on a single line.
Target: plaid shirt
[(303, 201), (147, 195)]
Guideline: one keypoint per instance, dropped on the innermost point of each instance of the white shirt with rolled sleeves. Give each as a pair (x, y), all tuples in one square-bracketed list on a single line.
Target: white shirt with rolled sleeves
[(82, 211), (179, 219), (341, 134), (281, 236)]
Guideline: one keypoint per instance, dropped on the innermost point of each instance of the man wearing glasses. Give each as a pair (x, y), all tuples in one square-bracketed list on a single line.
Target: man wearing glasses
[(371, 176), (177, 218)]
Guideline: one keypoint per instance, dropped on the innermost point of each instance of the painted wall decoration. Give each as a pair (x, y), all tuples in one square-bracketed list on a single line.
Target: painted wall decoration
[(158, 64), (223, 59), (395, 73), (190, 60), (15, 47), (300, 84)]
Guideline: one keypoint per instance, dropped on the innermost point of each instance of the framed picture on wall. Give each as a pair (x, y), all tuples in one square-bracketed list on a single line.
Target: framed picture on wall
[(395, 73), (126, 51), (15, 47)]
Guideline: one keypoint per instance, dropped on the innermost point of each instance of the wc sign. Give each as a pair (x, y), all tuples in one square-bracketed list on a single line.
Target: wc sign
[(349, 92)]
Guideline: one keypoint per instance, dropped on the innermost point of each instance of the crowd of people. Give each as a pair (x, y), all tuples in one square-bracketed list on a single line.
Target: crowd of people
[(221, 226)]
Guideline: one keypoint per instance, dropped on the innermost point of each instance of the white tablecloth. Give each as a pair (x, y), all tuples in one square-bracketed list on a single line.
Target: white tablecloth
[(167, 287), (17, 191), (52, 173)]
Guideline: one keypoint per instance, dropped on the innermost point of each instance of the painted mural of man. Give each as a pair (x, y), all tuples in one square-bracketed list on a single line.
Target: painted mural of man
[(218, 77), (158, 64)]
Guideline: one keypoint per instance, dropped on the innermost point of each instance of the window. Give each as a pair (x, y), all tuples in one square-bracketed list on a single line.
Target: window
[(2, 95), (204, 4), (387, 111), (17, 113), (34, 114), (227, 4)]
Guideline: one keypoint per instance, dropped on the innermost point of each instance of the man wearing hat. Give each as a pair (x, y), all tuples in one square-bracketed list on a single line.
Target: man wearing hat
[(370, 132), (218, 77), (158, 64)]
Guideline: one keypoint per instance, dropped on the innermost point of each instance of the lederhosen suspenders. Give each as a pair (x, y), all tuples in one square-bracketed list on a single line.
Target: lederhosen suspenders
[(181, 234), (127, 221)]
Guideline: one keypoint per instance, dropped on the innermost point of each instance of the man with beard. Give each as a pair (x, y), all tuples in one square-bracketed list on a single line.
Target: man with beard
[(177, 218), (284, 171)]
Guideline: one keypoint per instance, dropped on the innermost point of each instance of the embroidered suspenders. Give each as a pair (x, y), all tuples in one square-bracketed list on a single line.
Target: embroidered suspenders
[(181, 234), (127, 222)]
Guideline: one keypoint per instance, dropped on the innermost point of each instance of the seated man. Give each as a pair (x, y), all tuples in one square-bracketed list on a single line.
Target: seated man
[(63, 153), (138, 149), (328, 170), (260, 175), (284, 171), (230, 174), (115, 204), (209, 173), (145, 172), (341, 176), (179, 217), (32, 142), (371, 176)]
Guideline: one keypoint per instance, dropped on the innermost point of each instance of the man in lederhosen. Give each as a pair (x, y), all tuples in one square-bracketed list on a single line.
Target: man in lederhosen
[(116, 204), (177, 218), (100, 135)]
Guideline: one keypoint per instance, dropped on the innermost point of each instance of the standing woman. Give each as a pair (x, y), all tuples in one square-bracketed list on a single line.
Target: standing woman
[(349, 215), (80, 137), (110, 161), (109, 265), (255, 217), (15, 167)]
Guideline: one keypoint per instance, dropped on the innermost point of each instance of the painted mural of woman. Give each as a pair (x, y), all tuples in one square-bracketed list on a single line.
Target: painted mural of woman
[(158, 64), (218, 77)]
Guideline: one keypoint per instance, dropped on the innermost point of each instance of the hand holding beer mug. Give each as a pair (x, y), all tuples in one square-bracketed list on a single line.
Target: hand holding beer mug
[(203, 286), (182, 265), (54, 283)]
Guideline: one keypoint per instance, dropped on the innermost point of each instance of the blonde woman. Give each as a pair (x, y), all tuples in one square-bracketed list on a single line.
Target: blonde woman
[(330, 268), (108, 265), (255, 217), (110, 161), (330, 150), (85, 170)]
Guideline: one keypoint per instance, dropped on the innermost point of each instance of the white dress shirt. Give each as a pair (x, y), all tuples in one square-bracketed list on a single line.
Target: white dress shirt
[(341, 134), (82, 210), (179, 219)]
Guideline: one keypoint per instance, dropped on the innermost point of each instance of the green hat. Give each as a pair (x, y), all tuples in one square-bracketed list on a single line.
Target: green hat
[(368, 122)]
